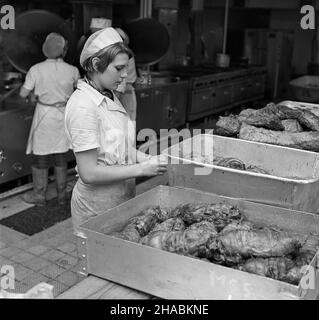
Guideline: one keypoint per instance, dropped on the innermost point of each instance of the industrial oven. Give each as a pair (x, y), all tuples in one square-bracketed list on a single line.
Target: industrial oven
[(213, 90)]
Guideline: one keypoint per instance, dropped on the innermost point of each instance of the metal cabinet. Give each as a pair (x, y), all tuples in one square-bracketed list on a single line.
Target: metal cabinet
[(240, 91), (257, 86), (161, 107), (144, 112), (222, 97), (178, 102), (15, 124), (201, 100)]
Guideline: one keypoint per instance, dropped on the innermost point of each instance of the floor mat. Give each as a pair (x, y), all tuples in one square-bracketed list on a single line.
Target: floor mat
[(37, 219)]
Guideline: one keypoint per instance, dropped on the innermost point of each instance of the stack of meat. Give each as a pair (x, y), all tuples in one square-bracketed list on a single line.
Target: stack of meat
[(278, 124), (219, 233)]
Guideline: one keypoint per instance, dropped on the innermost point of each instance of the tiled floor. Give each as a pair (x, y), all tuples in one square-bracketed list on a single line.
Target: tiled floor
[(49, 256)]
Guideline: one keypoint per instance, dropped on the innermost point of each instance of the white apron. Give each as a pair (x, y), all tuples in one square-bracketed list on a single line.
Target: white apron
[(92, 200), (47, 134), (53, 82)]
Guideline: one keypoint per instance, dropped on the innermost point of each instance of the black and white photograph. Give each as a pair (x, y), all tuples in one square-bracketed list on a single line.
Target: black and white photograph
[(159, 155)]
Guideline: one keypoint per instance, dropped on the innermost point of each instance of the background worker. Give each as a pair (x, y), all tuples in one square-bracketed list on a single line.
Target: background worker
[(52, 82), (102, 133), (126, 90)]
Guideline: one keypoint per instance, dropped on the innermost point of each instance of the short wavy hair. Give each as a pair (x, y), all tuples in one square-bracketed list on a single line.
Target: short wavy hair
[(106, 56)]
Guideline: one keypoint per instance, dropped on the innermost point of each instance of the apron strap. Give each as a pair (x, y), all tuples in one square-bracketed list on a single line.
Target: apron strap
[(54, 105)]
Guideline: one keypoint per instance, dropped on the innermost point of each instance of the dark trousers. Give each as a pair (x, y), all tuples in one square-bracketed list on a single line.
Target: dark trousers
[(45, 161)]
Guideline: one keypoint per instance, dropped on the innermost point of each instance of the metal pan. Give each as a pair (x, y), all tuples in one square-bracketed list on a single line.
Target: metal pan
[(23, 45), (149, 40)]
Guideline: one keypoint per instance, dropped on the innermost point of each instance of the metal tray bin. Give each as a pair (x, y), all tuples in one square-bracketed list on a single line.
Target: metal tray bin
[(293, 181), (172, 276)]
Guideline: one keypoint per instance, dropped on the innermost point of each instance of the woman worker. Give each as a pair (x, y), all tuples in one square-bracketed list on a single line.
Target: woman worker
[(101, 132), (53, 81)]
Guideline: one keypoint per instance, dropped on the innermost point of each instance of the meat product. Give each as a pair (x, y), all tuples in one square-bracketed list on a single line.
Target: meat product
[(304, 116), (237, 164), (219, 214), (162, 214), (204, 226), (309, 120), (299, 140), (257, 242), (229, 163), (129, 233), (155, 239), (256, 169), (264, 118), (291, 125), (295, 273), (190, 242), (146, 221), (245, 113), (237, 225), (171, 224), (283, 112), (228, 126), (275, 268)]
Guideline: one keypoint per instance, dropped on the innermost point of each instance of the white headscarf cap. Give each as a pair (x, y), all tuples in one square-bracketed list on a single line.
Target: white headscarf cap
[(98, 41)]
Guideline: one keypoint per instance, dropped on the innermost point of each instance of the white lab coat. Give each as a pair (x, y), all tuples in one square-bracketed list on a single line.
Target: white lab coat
[(53, 82)]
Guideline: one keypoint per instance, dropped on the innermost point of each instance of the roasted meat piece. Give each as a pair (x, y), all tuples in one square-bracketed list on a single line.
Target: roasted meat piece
[(219, 214), (295, 274), (228, 126), (275, 268), (229, 163), (237, 225), (146, 220), (292, 125), (256, 169), (264, 118), (256, 242), (204, 226), (307, 140), (128, 233), (190, 242), (172, 224)]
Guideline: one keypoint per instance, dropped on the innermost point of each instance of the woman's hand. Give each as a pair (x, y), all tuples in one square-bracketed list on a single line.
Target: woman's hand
[(157, 165)]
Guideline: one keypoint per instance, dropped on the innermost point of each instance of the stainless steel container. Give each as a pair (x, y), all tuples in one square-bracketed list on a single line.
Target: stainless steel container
[(172, 276), (293, 181), (222, 60)]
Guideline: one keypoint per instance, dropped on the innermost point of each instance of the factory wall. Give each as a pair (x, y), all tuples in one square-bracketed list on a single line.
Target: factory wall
[(290, 19)]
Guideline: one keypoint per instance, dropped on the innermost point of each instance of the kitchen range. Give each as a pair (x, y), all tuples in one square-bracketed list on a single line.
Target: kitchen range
[(213, 90)]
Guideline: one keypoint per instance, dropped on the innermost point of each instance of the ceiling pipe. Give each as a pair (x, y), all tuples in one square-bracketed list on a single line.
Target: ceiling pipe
[(225, 26), (146, 8)]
